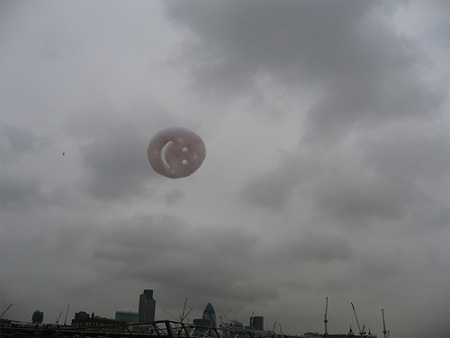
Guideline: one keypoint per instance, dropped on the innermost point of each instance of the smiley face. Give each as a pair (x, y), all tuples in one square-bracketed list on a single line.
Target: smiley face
[(176, 152)]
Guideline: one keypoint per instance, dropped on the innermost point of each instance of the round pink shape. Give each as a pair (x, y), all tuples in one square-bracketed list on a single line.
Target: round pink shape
[(176, 152)]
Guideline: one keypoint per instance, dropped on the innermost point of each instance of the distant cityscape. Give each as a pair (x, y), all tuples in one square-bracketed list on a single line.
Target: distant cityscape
[(146, 314), (206, 326)]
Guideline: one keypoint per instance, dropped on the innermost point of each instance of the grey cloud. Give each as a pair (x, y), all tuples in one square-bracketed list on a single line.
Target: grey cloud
[(249, 36), (313, 246), (365, 69), (412, 151), (359, 198), (21, 193), (268, 191), (382, 179), (117, 167), (172, 197), (414, 161), (114, 151), (163, 236), (323, 247), (350, 105), (160, 249), (383, 266), (273, 189), (21, 140)]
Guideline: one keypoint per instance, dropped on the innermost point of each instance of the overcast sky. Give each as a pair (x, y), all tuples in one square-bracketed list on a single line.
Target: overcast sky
[(326, 127)]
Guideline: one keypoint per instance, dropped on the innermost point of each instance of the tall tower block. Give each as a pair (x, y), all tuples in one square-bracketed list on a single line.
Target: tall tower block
[(147, 307), (257, 323)]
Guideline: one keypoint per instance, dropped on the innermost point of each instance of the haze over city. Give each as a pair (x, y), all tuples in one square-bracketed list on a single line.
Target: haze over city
[(326, 127)]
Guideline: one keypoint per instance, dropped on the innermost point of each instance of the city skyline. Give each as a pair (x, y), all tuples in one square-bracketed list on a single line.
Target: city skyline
[(147, 313)]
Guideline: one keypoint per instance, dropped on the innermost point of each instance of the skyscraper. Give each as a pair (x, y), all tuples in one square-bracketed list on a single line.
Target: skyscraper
[(147, 307), (210, 315), (257, 323)]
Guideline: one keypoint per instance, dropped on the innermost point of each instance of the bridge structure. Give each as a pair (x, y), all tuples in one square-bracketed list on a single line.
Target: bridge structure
[(157, 329)]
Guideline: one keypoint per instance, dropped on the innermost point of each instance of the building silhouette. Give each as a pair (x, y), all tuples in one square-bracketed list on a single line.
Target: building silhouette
[(209, 315), (257, 323), (127, 316), (82, 315), (147, 307), (208, 318), (38, 317)]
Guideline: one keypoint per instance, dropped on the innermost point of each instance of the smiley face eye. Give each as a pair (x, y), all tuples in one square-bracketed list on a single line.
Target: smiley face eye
[(176, 152)]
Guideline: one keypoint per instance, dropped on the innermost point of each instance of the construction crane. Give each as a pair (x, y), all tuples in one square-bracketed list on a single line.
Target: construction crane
[(273, 328), (225, 315), (5, 310), (361, 331), (243, 306), (326, 319), (184, 315), (57, 319), (281, 331), (384, 326), (67, 312), (171, 315)]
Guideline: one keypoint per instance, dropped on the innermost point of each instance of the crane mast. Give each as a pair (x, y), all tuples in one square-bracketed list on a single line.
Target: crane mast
[(171, 315), (6, 310), (67, 312), (183, 317), (326, 319), (184, 314), (57, 320), (361, 332), (384, 326), (184, 310)]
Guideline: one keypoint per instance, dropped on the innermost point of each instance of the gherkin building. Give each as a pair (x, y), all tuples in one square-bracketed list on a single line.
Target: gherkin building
[(209, 315)]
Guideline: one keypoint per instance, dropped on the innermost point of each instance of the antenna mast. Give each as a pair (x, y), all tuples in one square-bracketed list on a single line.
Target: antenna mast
[(326, 319)]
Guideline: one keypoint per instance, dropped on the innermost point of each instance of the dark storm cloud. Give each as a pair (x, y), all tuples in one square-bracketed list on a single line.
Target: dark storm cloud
[(246, 37), (386, 178), (364, 68), (162, 250), (316, 247), (114, 149)]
